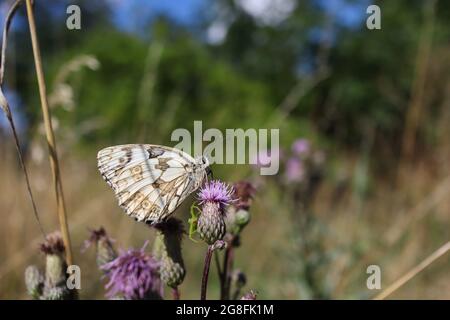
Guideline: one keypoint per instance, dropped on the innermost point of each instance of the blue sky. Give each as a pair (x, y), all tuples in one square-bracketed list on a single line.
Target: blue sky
[(182, 11), (348, 13), (133, 15)]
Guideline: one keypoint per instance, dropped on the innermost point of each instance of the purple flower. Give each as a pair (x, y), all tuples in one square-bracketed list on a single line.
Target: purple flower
[(217, 192), (300, 147), (262, 159), (294, 170), (53, 244), (134, 274), (213, 196)]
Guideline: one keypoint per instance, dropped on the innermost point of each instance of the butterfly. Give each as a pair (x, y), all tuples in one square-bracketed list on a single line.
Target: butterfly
[(151, 181)]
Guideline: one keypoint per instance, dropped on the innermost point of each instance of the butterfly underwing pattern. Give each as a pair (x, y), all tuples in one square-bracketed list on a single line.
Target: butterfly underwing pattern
[(150, 181)]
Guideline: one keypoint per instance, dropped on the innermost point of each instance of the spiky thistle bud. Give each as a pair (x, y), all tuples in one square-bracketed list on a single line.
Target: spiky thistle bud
[(55, 265), (34, 281), (238, 215), (244, 191), (55, 268), (167, 249), (56, 293), (214, 196), (104, 248)]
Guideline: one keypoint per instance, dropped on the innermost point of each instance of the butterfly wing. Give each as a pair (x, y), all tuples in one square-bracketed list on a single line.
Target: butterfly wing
[(149, 181)]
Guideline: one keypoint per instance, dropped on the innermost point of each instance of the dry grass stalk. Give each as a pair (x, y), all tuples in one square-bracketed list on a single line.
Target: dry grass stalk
[(5, 106), (414, 271), (416, 104), (61, 207)]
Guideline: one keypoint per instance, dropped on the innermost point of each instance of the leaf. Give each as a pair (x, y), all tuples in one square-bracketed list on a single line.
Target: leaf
[(195, 213)]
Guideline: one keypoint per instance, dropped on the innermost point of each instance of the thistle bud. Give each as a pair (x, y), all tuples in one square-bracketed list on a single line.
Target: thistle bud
[(214, 196), (238, 215), (104, 248), (56, 293), (211, 224), (34, 281), (55, 268), (55, 264), (244, 192), (167, 249)]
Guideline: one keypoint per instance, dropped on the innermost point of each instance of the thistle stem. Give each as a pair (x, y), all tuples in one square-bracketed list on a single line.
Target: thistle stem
[(176, 293), (206, 272), (227, 266)]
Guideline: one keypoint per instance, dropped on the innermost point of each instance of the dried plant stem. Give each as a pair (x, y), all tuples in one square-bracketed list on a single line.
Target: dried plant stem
[(8, 20), (61, 208), (206, 272), (5, 105), (416, 104), (414, 271)]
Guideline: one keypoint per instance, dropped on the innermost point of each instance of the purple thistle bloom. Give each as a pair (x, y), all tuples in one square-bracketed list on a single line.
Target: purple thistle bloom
[(294, 170), (262, 158), (217, 192), (300, 147), (134, 274), (213, 196)]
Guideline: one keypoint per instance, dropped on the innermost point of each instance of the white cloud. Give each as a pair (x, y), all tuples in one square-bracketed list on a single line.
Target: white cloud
[(269, 12), (217, 32)]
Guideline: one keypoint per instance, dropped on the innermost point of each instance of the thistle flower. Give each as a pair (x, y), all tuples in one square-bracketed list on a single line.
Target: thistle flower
[(53, 244), (134, 274), (251, 295), (34, 281), (167, 249), (262, 158), (300, 147), (55, 268), (214, 196), (294, 170), (104, 248)]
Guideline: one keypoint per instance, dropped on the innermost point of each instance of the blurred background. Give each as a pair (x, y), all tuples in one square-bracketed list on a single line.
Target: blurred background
[(364, 119)]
